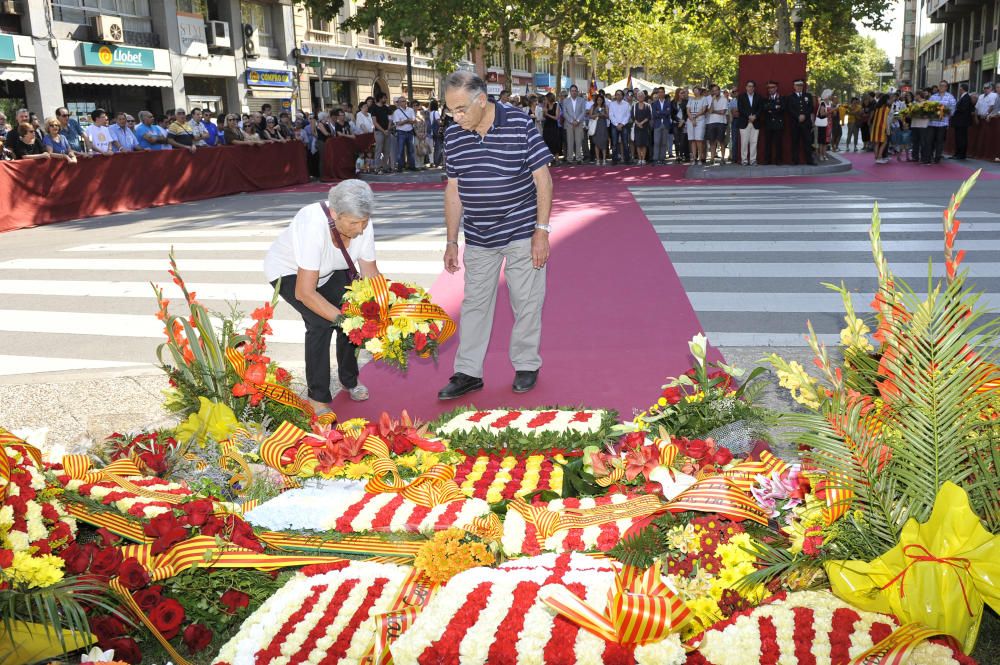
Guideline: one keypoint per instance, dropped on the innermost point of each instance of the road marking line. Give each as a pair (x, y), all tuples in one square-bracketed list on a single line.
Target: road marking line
[(11, 365), (396, 268), (762, 246), (180, 247), (833, 271)]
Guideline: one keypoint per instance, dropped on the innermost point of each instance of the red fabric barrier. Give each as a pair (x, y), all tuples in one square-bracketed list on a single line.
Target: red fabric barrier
[(36, 192), (984, 140), (340, 153), (783, 68)]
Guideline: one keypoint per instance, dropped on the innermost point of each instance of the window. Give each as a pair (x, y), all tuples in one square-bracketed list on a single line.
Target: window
[(543, 65), (135, 15), (520, 60), (259, 16), (192, 7), (316, 24), (494, 59), (371, 37)]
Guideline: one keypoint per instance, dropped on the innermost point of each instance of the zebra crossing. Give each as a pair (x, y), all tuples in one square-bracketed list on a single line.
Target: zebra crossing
[(752, 258), (79, 306)]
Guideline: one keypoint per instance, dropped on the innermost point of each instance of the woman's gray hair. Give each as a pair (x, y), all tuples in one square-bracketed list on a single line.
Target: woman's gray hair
[(465, 80), (352, 197)]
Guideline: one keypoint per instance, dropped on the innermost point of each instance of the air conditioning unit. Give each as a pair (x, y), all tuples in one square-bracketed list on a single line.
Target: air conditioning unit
[(109, 29), (9, 7), (251, 43), (218, 35)]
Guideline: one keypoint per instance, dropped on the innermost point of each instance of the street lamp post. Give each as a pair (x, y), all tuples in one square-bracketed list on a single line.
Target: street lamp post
[(408, 43), (797, 22)]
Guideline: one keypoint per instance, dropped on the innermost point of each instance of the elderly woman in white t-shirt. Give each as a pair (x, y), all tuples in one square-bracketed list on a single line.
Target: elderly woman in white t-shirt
[(311, 259)]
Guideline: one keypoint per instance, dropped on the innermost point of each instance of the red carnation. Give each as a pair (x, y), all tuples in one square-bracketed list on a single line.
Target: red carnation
[(107, 627), (198, 511), (49, 512), (154, 461), (132, 574), (402, 290), (370, 329), (282, 376), (167, 617), (234, 600), (355, 337), (370, 310), (125, 648), (7, 558), (106, 562), (43, 546), (149, 598), (419, 341), (197, 637)]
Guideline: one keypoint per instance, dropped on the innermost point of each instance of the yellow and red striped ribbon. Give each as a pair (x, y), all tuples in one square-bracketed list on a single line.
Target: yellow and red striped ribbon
[(78, 468), (412, 597), (273, 449), (272, 391), (487, 527), (837, 497), (897, 648), (548, 522), (112, 522), (718, 495), (363, 545), (745, 473), (640, 610), (7, 438), (416, 311)]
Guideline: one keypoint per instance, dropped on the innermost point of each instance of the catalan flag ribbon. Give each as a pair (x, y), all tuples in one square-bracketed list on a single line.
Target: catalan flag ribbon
[(413, 596), (548, 522), (897, 648), (640, 610), (9, 439), (273, 391), (77, 467)]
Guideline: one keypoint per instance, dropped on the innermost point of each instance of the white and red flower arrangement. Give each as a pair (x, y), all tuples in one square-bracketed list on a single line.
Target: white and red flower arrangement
[(807, 627), (151, 451), (496, 615), (497, 477), (525, 422), (325, 614), (128, 503)]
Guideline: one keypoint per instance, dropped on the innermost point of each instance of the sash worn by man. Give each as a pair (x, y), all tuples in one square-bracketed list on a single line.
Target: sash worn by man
[(499, 188)]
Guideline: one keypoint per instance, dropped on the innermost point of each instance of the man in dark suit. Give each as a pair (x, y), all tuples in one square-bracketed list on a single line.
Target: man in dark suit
[(774, 124), (961, 120), (800, 113), (750, 105)]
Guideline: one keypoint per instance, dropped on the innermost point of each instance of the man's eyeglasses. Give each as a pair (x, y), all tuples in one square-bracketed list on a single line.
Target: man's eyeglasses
[(64, 115)]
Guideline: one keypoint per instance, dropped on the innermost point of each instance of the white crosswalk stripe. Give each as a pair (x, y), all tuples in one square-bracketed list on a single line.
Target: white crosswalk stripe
[(92, 300), (753, 258)]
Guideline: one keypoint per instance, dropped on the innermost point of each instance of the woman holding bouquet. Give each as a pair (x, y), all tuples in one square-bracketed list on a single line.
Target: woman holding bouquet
[(326, 247)]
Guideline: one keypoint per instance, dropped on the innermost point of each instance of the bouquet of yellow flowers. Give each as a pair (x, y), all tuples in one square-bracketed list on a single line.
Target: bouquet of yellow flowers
[(926, 110), (390, 319)]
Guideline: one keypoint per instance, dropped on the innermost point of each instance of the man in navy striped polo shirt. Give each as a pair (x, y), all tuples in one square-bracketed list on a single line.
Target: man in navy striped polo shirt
[(499, 189)]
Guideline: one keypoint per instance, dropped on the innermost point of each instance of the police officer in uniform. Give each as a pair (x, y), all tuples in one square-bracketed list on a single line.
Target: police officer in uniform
[(800, 113), (774, 124)]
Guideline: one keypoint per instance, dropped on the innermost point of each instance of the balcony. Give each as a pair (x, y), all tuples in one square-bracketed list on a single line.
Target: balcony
[(946, 11)]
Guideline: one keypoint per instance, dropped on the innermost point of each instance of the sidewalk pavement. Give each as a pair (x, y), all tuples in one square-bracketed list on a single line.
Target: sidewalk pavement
[(66, 412)]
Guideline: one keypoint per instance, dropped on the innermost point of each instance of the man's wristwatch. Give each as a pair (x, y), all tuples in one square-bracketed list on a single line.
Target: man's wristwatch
[(544, 227)]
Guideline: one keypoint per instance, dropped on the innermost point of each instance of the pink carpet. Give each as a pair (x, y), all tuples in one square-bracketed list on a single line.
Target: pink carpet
[(616, 318)]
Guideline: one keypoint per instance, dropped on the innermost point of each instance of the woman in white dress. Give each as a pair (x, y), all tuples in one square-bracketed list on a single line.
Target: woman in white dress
[(697, 108), (363, 124)]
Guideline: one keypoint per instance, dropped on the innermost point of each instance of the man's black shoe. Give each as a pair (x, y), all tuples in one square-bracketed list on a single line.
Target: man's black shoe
[(460, 384), (525, 380)]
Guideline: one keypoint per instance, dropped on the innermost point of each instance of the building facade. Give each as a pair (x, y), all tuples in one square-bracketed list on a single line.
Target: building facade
[(131, 55), (959, 42), (339, 69)]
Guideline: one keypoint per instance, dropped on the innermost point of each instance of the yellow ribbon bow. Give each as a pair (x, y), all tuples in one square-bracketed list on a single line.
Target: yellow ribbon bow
[(640, 610)]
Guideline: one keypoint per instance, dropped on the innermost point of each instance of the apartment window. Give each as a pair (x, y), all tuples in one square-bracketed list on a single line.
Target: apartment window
[(193, 7), (135, 16), (543, 65), (494, 59), (259, 16), (520, 61), (371, 37), (317, 24)]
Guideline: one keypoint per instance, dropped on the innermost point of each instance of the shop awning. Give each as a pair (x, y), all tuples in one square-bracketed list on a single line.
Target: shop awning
[(17, 73), (270, 93), (107, 78)]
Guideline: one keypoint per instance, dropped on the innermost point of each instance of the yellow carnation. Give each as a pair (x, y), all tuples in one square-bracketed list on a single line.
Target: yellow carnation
[(36, 572)]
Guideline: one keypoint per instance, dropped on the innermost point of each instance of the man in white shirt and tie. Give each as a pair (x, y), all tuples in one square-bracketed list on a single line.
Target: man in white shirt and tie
[(574, 110), (619, 117)]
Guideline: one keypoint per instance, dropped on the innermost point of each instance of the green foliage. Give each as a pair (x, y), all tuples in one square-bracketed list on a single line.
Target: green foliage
[(577, 481), (934, 424), (640, 549)]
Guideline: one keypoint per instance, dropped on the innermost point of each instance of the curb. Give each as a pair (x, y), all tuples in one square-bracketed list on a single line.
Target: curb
[(837, 164), (423, 176)]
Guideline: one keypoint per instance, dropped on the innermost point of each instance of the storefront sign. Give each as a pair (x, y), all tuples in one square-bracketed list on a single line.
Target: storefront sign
[(286, 106), (493, 88), (7, 48), (117, 57), (271, 78), (962, 70), (192, 29), (990, 60)]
